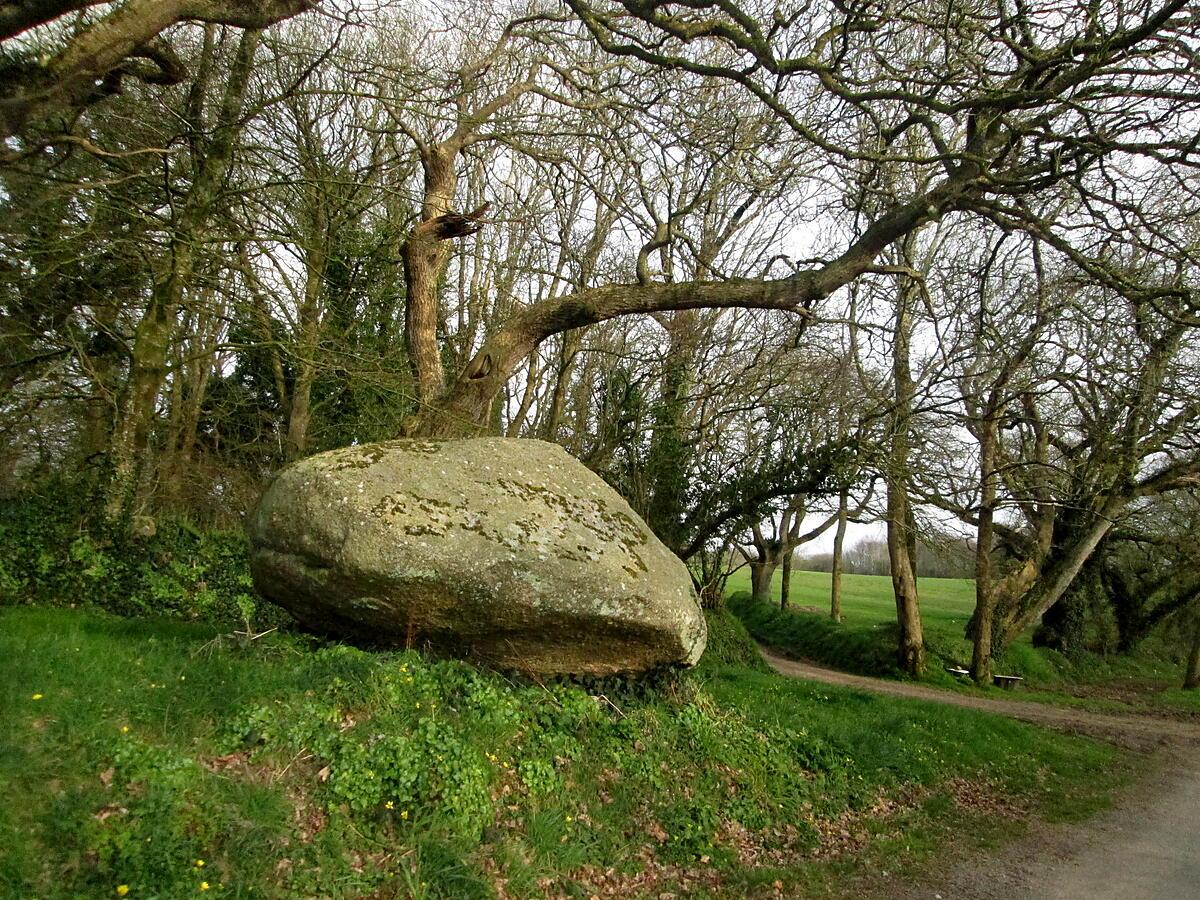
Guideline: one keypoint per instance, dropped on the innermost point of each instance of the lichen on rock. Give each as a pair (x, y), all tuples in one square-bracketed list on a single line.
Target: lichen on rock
[(507, 551)]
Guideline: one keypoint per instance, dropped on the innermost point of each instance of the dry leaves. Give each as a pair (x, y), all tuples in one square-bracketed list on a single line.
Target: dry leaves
[(983, 796), (237, 760), (107, 812)]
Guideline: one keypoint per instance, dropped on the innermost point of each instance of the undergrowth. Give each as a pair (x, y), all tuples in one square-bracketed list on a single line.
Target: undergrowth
[(153, 758), (866, 649), (55, 551), (729, 644)]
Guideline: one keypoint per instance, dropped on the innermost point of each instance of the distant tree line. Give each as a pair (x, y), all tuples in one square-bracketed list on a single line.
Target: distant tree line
[(947, 558)]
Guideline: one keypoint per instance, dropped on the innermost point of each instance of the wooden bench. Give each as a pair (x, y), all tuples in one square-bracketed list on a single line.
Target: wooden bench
[(1007, 682)]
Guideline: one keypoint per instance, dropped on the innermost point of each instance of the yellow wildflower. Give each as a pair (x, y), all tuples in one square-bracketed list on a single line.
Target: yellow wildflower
[(124, 729), (204, 885), (404, 814), (122, 890), (389, 805), (199, 864), (36, 697)]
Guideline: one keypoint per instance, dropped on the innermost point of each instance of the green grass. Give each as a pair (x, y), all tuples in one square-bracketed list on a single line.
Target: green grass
[(730, 644), (867, 600), (1177, 698), (864, 642), (296, 768)]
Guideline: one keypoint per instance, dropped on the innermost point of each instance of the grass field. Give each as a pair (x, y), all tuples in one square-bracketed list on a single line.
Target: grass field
[(143, 758), (864, 642), (867, 599)]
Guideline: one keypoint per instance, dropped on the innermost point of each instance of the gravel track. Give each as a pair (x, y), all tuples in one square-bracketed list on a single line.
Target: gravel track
[(1147, 847)]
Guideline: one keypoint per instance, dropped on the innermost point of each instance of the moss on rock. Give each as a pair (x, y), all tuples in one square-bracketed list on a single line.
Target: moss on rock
[(503, 550)]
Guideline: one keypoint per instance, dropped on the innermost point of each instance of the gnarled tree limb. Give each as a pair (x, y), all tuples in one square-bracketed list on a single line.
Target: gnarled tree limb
[(95, 59)]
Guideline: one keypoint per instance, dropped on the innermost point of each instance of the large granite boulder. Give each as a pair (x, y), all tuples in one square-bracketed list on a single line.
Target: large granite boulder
[(507, 551)]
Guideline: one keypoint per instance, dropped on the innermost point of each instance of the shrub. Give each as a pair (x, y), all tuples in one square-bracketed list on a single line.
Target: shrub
[(55, 554)]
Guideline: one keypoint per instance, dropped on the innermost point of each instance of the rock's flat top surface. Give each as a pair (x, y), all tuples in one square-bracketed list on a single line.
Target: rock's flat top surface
[(505, 550)]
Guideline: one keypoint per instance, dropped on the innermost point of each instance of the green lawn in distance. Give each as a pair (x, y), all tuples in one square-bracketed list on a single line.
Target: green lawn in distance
[(864, 642), (868, 599)]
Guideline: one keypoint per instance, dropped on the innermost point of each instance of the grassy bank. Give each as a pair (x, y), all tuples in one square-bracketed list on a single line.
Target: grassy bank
[(142, 758), (864, 642)]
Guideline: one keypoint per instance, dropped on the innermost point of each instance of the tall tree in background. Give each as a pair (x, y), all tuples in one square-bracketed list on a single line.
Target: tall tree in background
[(901, 521), (189, 229)]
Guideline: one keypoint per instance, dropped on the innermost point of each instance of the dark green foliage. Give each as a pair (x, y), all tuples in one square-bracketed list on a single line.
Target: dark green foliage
[(649, 450), (362, 386), (54, 553), (1082, 620)]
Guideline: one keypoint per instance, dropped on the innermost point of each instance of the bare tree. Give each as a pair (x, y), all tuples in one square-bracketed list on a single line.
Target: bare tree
[(155, 330), (89, 62)]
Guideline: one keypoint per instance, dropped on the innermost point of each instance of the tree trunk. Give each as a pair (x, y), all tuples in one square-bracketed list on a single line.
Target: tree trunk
[(299, 413), (425, 259), (785, 588), (152, 337), (670, 450), (426, 254), (1057, 576), (1064, 626), (571, 341), (1191, 680), (187, 407), (985, 593), (104, 373), (839, 540), (911, 641), (193, 406), (761, 574), (194, 368), (316, 265), (533, 373), (1127, 606), (147, 370), (901, 535)]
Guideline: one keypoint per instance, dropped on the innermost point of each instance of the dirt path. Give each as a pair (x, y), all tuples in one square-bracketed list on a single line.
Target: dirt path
[(1136, 732), (1147, 847)]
